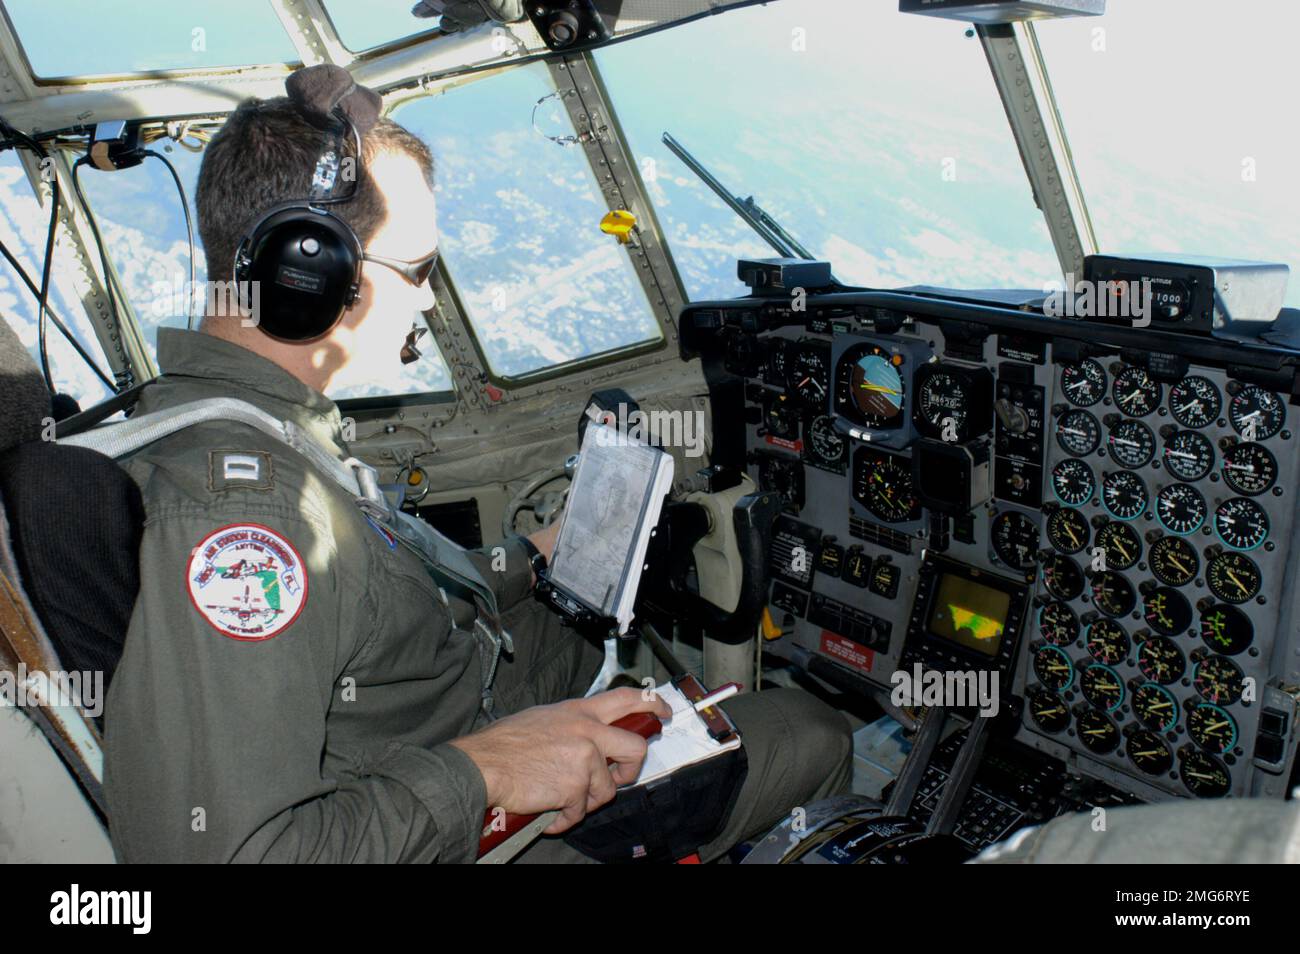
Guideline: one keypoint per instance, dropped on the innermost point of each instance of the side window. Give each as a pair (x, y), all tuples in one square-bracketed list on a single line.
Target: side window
[(23, 223), (519, 222)]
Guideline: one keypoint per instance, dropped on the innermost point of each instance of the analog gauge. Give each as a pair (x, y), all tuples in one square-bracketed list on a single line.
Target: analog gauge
[(1241, 523), (825, 444), (1078, 433), (1132, 444), (1234, 577), (808, 375), (1053, 668), (1174, 561), (1068, 530), (1124, 495), (1161, 661), (883, 484), (1256, 414), (1219, 679), (782, 419), (943, 397), (1015, 539), (1167, 611), (1102, 687), (1212, 728), (1148, 753), (1181, 509), (869, 387), (1113, 594), (1195, 401), (1136, 393), (1155, 706), (1107, 642), (1097, 733), (783, 476), (1083, 382), (1249, 469), (1072, 482), (1121, 545), (1204, 775), (1225, 629), (1049, 712), (1062, 577), (1057, 624), (774, 367), (1189, 455)]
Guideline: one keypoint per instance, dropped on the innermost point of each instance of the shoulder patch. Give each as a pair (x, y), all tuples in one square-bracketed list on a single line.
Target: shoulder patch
[(247, 581), (240, 470)]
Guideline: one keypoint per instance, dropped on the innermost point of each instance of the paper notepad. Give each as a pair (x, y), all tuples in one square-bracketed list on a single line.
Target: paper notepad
[(683, 741), (614, 502)]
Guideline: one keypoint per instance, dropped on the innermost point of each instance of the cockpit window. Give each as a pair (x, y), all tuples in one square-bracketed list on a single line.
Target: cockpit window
[(23, 223), (364, 26), (1176, 120), (519, 218), (877, 139), (153, 35)]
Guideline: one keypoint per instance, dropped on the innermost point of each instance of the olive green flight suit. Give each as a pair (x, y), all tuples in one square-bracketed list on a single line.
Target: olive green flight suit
[(305, 713)]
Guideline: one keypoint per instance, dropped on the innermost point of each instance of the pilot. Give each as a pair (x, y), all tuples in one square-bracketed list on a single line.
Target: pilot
[(294, 685)]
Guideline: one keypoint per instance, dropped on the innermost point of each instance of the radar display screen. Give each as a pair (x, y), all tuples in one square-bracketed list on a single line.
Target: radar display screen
[(969, 614)]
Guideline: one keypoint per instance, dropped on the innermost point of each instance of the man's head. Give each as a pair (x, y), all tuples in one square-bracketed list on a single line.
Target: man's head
[(265, 155)]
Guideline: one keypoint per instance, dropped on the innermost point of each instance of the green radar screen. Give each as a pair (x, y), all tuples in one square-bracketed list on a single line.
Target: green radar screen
[(969, 614)]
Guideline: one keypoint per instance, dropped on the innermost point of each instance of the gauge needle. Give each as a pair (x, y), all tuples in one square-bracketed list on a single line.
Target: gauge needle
[(1240, 585), (867, 386), (1074, 537), (1177, 565), (1200, 775)]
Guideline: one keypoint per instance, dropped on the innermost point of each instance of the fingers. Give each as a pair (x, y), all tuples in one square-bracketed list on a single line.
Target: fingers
[(601, 788), (613, 705), (626, 750)]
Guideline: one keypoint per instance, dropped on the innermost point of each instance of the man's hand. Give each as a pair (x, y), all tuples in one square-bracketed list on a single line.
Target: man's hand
[(544, 539), (554, 757)]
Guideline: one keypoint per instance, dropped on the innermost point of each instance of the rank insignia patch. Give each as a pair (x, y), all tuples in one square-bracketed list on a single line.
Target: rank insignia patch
[(247, 581)]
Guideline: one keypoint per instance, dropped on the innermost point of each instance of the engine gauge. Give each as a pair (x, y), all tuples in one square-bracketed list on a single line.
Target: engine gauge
[(781, 418), (1047, 710), (1083, 382), (883, 484), (1136, 393), (1121, 545), (1204, 775), (1234, 577), (1195, 401), (953, 404), (1107, 642), (783, 476), (1226, 629), (1057, 624), (1102, 687), (1181, 509), (1068, 530), (1189, 455), (825, 445), (1062, 577), (1256, 414), (1249, 468), (1148, 753), (1241, 523), (1113, 594), (869, 388), (1160, 660), (1212, 728), (1174, 561), (808, 374), (1097, 733), (1124, 495), (1219, 679), (1053, 668), (1155, 706), (1015, 539), (1132, 444), (1073, 482), (1078, 433), (1167, 611)]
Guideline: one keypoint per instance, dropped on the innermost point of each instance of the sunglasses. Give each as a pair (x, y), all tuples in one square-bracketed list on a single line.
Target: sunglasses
[(417, 272)]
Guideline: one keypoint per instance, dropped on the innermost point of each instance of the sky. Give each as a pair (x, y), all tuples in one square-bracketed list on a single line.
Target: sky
[(876, 138)]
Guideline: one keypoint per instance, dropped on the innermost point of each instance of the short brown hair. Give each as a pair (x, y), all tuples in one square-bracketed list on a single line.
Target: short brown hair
[(264, 155)]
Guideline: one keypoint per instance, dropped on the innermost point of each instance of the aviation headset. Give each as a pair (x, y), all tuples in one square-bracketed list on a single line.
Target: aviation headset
[(306, 260)]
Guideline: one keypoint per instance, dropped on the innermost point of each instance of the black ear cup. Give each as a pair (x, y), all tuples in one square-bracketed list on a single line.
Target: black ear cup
[(297, 271)]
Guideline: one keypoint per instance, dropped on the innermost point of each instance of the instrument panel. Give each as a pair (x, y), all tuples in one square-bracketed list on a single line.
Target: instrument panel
[(1104, 527)]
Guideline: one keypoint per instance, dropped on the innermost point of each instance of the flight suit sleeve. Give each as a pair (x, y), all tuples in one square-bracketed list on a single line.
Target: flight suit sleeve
[(216, 721), (506, 569)]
